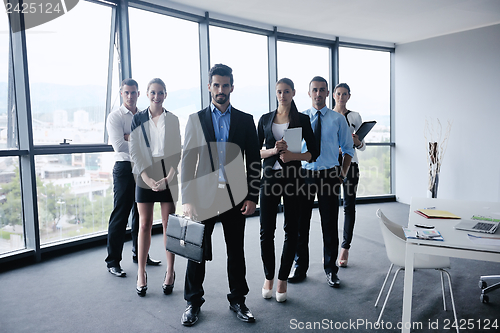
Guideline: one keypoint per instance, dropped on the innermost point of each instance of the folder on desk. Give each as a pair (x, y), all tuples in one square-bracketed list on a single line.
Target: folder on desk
[(436, 214)]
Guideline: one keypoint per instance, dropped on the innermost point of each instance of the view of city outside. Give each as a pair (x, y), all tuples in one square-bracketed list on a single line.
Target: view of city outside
[(74, 194), (11, 219), (11, 209), (368, 75), (68, 72), (159, 50)]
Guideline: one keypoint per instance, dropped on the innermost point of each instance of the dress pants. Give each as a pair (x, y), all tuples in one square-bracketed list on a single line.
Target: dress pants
[(350, 187), (124, 203), (233, 224), (326, 184), (277, 184)]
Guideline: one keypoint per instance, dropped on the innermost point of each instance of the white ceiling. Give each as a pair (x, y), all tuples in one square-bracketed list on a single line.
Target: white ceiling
[(391, 21)]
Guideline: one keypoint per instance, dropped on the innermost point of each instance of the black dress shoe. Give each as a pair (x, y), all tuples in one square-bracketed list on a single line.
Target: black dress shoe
[(190, 315), (242, 312), (168, 288), (333, 280), (296, 276), (150, 262), (117, 271)]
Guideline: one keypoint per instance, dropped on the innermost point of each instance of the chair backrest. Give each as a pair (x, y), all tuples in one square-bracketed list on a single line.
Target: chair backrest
[(395, 246)]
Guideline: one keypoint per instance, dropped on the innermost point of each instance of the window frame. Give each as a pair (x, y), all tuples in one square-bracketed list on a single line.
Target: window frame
[(120, 38)]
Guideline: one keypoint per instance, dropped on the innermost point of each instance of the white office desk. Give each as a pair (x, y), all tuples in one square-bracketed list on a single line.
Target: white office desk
[(455, 244)]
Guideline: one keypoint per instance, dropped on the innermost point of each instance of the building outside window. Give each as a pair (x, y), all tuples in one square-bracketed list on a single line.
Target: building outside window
[(68, 72)]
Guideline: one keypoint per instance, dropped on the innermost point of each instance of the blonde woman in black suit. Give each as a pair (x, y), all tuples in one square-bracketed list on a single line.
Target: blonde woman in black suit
[(155, 149), (281, 179)]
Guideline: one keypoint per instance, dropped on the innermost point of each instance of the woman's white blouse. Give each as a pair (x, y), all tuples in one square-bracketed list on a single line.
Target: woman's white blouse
[(354, 119), (157, 133)]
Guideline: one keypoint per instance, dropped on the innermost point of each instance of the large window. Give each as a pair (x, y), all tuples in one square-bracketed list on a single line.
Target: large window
[(71, 92), (75, 194), (68, 70), (247, 56), (11, 210), (301, 63), (167, 48), (367, 73)]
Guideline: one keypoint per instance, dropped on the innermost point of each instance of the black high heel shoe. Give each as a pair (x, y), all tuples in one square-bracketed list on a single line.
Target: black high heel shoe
[(141, 291), (168, 288)]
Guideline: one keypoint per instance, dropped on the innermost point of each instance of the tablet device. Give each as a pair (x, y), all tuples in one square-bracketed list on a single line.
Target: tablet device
[(364, 129)]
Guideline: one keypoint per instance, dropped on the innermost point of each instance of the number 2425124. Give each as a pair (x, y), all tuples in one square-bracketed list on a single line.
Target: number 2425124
[(32, 8)]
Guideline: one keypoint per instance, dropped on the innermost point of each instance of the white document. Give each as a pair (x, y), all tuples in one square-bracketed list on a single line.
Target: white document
[(484, 240), (293, 139)]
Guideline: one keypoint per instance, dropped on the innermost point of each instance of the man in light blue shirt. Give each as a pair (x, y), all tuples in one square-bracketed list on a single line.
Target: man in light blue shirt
[(221, 122), (323, 178)]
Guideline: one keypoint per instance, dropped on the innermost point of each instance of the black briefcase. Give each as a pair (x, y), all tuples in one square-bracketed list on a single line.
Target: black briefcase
[(185, 237)]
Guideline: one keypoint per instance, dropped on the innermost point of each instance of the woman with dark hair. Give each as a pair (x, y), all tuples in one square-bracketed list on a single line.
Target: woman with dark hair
[(341, 94), (281, 179), (155, 150)]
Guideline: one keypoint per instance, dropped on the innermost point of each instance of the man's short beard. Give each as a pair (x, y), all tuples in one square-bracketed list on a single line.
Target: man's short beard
[(221, 100)]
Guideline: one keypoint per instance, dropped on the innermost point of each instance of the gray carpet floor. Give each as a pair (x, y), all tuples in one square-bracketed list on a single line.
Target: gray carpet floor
[(75, 293)]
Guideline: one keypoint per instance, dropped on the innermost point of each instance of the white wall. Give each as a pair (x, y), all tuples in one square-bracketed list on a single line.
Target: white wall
[(454, 77)]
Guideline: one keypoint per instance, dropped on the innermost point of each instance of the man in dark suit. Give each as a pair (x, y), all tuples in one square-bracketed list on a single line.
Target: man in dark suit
[(217, 185)]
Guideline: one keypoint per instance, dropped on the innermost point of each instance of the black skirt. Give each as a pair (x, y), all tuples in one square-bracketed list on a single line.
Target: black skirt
[(143, 193)]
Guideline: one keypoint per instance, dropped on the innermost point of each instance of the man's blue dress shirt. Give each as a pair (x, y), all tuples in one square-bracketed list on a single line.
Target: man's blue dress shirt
[(334, 133), (221, 122)]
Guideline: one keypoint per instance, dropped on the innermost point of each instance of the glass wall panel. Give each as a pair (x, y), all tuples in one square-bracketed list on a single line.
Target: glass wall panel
[(368, 74), (68, 69), (300, 63), (374, 171), (75, 194), (247, 56), (167, 48), (11, 210), (8, 114)]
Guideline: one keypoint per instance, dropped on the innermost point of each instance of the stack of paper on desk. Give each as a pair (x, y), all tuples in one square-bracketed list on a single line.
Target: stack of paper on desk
[(427, 234)]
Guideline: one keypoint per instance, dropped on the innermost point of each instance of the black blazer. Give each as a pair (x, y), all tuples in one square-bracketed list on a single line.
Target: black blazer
[(199, 166), (266, 137)]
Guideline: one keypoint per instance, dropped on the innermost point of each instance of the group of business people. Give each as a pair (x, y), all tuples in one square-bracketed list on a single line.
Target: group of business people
[(221, 181)]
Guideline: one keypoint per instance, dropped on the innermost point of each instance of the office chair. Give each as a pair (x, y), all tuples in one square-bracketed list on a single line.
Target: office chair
[(484, 286), (395, 246)]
